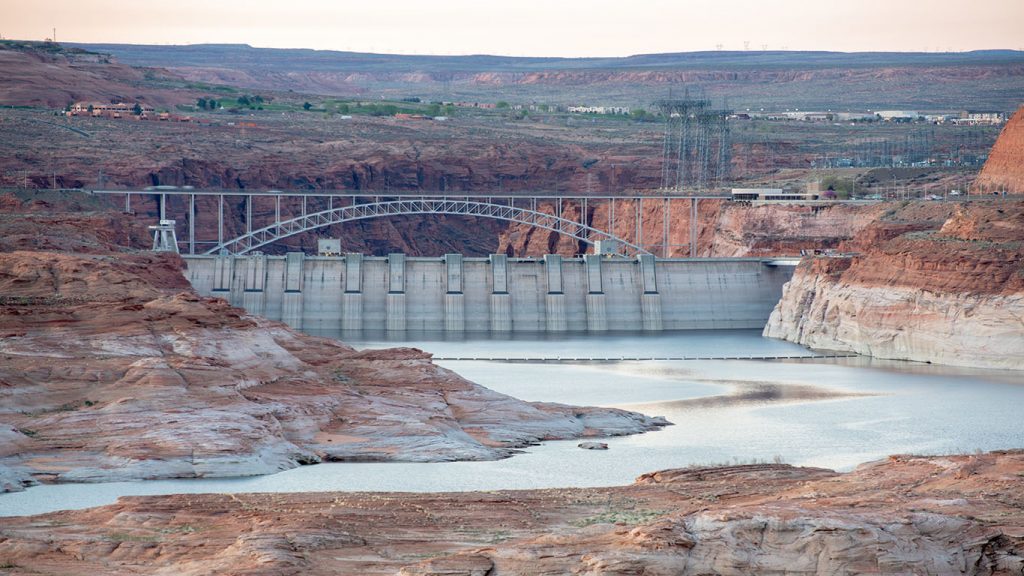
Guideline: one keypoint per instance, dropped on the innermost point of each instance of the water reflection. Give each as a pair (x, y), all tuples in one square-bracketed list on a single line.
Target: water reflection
[(833, 413)]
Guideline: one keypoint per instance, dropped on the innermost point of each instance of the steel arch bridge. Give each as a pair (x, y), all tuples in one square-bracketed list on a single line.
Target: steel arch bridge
[(402, 207), (622, 218)]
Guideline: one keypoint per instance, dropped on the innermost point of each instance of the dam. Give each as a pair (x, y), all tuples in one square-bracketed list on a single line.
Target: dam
[(453, 293)]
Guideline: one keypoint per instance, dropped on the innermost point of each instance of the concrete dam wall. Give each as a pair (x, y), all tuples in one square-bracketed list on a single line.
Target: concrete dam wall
[(453, 293)]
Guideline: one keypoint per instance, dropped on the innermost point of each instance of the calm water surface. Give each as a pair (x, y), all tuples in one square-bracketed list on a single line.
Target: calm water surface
[(833, 413)]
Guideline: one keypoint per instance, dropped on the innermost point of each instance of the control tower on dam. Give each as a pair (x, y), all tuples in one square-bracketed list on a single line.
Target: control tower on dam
[(454, 293)]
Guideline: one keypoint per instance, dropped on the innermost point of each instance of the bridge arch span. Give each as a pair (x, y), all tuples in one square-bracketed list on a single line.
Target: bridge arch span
[(404, 207)]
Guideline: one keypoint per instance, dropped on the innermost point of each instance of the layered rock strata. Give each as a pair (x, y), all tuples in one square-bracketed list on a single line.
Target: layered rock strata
[(914, 288)]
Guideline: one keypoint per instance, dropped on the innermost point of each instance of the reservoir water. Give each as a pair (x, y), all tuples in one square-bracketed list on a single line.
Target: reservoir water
[(829, 412)]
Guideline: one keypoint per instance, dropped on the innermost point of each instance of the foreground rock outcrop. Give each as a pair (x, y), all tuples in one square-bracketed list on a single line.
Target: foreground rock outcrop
[(946, 290), (905, 515), (111, 368)]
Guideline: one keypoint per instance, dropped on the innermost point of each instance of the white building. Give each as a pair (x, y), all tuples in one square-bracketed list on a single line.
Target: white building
[(897, 115), (980, 117), (599, 109), (328, 246)]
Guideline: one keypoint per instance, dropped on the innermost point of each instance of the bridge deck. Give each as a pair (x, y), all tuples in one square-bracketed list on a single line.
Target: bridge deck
[(546, 195), (621, 223)]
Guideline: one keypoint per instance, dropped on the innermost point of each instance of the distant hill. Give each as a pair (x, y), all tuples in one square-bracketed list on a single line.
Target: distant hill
[(54, 75), (245, 56), (780, 79)]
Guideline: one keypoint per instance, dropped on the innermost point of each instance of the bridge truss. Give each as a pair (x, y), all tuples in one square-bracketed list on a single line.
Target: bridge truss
[(248, 220)]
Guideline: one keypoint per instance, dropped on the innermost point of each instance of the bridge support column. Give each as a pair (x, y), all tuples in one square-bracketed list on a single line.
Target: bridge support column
[(352, 298), (396, 292), (253, 295), (554, 301), (650, 300), (597, 312), (454, 299), (501, 300), (291, 303)]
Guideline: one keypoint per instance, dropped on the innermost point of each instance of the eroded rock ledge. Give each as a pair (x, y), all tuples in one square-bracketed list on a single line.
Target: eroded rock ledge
[(904, 515)]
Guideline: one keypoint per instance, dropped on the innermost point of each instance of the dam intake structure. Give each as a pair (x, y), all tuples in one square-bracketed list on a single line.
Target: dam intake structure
[(453, 293)]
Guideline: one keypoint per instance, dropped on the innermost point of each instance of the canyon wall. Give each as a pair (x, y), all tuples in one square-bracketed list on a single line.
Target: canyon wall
[(1004, 169), (947, 291), (724, 228)]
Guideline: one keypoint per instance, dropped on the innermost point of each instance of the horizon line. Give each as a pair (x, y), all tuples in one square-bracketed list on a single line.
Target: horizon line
[(548, 57)]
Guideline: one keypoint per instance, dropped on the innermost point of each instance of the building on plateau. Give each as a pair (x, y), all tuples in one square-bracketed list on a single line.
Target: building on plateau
[(774, 194), (897, 115), (980, 117), (598, 109), (116, 110)]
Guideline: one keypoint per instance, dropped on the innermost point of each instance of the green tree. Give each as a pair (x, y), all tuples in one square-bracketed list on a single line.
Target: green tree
[(434, 110), (343, 108), (501, 104), (244, 101), (201, 103), (212, 104), (306, 106), (640, 115), (137, 109)]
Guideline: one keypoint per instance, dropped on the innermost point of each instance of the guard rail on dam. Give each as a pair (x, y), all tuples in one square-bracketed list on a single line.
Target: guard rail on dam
[(454, 293)]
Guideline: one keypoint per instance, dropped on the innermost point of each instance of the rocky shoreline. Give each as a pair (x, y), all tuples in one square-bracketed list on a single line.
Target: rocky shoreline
[(903, 515)]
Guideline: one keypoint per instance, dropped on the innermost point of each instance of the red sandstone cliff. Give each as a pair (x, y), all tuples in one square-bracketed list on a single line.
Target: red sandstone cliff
[(724, 228), (1004, 169), (925, 286)]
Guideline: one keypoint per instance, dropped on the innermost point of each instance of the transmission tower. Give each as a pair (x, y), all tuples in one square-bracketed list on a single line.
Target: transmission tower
[(697, 148)]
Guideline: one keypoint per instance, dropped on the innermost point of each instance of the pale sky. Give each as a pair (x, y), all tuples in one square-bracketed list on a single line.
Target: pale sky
[(529, 27)]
